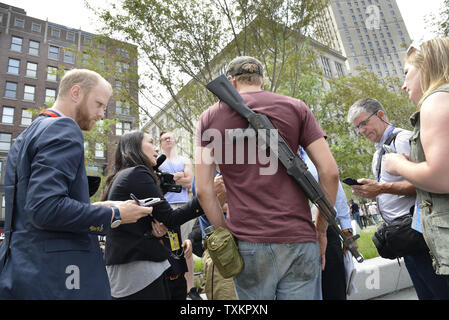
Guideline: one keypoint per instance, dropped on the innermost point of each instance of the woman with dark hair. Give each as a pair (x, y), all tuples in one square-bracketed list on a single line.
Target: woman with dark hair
[(135, 256)]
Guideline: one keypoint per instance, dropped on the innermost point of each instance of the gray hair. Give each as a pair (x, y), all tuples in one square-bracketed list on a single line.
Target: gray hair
[(367, 105)]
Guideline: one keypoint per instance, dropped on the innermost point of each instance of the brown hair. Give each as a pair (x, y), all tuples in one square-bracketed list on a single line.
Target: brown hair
[(86, 79)]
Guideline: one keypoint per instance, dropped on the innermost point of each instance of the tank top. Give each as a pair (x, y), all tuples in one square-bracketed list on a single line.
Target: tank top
[(173, 167), (433, 207)]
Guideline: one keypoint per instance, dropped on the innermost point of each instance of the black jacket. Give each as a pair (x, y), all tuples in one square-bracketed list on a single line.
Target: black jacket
[(133, 242)]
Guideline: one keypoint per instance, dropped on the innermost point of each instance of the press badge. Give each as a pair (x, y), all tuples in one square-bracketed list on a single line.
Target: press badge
[(174, 241)]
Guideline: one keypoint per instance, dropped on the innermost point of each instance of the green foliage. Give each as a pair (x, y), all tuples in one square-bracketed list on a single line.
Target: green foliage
[(184, 44), (439, 22)]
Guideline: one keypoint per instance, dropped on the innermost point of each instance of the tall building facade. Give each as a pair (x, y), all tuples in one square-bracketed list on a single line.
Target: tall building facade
[(372, 34), (31, 51)]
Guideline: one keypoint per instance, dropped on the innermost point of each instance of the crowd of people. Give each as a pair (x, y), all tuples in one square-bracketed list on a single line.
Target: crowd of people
[(52, 229)]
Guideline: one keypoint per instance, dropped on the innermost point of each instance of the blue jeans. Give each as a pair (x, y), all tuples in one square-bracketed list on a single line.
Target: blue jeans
[(279, 271)]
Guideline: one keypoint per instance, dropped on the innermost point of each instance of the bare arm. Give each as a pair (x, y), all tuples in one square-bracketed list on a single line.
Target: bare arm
[(184, 178), (372, 188), (204, 184)]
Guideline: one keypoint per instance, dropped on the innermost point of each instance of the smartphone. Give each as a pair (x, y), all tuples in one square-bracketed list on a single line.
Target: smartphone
[(387, 149), (351, 182), (151, 202), (148, 202)]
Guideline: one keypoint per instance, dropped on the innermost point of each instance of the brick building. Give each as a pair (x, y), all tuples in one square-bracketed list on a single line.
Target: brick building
[(31, 52)]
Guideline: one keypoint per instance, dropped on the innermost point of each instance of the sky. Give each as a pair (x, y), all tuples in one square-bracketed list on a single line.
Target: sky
[(73, 13)]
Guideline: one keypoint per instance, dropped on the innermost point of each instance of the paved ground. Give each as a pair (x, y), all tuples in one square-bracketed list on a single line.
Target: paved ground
[(404, 294)]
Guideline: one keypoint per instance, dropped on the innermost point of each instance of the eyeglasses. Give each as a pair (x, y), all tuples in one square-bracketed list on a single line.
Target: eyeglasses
[(364, 122)]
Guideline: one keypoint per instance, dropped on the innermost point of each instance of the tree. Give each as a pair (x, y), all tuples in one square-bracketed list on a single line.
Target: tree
[(440, 22), (184, 44), (444, 20)]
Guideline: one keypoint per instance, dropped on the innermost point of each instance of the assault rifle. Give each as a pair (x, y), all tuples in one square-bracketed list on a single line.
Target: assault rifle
[(296, 168)]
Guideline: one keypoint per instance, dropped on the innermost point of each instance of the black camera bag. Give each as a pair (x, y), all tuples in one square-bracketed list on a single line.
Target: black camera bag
[(398, 239)]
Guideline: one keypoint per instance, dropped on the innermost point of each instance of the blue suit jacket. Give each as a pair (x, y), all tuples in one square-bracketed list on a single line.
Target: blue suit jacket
[(54, 250)]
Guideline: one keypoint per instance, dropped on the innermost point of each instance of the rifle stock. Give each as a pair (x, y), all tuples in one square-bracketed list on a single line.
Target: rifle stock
[(294, 165)]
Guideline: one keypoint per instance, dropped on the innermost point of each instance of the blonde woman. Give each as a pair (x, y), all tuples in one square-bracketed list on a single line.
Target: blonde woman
[(427, 83)]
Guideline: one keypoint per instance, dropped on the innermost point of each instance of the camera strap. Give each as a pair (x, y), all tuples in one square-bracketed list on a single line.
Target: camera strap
[(49, 113)]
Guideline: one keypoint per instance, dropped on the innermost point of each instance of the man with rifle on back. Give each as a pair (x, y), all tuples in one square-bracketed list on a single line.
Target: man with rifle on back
[(269, 214)]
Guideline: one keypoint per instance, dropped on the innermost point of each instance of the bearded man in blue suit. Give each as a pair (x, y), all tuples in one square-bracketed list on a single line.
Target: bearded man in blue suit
[(51, 248)]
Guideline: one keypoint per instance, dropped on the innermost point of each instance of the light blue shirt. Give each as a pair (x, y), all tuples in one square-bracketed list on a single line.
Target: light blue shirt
[(341, 204), (173, 167)]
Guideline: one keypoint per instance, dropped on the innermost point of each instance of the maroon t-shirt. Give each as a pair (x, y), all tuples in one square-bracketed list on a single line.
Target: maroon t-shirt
[(263, 208)]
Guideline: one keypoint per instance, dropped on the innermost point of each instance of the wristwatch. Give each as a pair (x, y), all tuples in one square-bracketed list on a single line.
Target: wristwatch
[(116, 220)]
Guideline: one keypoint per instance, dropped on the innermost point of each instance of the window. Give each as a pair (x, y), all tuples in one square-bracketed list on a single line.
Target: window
[(35, 27), (31, 70), (86, 149), (53, 53), (55, 32), (339, 69), (51, 74), (8, 115), (28, 92), (87, 40), (69, 56), (5, 141), (16, 44), (11, 90), (19, 23), (99, 150), (70, 36), (122, 128), (50, 95), (122, 108), (34, 48), (27, 117), (326, 66), (13, 66)]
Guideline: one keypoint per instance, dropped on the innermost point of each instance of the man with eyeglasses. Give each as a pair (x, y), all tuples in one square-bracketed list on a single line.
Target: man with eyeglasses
[(370, 120), (394, 195)]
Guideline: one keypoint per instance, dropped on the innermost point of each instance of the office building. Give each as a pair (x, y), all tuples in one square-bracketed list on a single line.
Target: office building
[(372, 34), (31, 52)]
